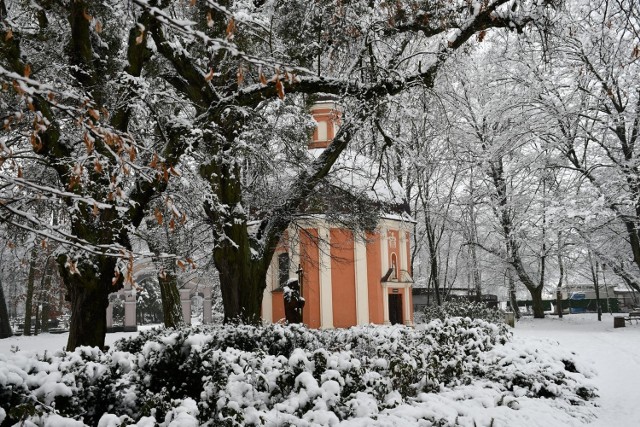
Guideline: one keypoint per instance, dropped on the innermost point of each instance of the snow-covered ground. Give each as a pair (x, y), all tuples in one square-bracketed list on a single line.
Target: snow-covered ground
[(54, 342), (613, 353)]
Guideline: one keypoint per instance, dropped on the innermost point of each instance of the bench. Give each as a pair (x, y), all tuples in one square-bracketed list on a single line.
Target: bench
[(621, 321), (634, 316)]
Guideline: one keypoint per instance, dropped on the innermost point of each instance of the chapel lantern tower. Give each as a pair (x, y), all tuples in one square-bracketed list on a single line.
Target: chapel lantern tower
[(327, 115)]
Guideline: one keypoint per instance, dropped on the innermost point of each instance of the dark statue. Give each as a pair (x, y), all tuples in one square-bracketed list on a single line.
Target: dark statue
[(293, 302)]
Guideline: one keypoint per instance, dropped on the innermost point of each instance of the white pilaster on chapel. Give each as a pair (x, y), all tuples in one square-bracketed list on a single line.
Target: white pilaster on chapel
[(326, 293), (402, 262), (405, 305), (294, 245), (362, 289), (385, 305), (384, 263), (384, 250)]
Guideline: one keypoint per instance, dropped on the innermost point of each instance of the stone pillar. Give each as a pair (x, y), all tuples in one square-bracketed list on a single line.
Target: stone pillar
[(185, 302), (110, 315), (130, 323), (207, 315), (326, 292)]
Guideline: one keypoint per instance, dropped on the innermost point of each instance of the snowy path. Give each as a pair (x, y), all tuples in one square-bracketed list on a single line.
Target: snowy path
[(614, 354)]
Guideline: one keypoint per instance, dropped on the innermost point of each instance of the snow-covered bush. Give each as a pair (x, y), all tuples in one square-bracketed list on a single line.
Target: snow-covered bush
[(462, 308), (279, 375)]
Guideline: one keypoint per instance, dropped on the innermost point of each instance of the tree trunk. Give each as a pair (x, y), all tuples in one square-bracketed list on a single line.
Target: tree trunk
[(171, 308), (434, 275), (88, 291), (559, 303), (242, 272), (44, 317), (45, 294), (242, 283), (598, 304), (512, 293), (473, 240), (242, 294), (594, 276), (536, 297), (36, 328), (168, 280), (28, 304), (5, 326), (561, 278)]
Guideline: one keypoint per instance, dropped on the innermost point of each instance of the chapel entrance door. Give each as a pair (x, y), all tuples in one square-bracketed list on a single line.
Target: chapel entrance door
[(395, 309)]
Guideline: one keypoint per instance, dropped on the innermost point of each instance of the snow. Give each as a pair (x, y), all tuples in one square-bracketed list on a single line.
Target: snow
[(54, 342), (613, 353), (609, 357)]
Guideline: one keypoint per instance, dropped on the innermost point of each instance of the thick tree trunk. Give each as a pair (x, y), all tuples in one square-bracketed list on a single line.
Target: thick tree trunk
[(5, 326), (241, 293), (44, 317), (242, 283), (536, 297), (171, 308), (88, 291), (559, 303), (534, 290), (168, 280)]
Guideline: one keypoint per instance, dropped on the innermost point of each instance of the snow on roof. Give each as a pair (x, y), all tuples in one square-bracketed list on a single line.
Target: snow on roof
[(359, 174)]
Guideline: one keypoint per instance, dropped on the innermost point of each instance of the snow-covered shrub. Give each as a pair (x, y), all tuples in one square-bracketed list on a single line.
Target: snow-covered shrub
[(462, 308), (535, 371), (273, 339), (71, 383), (279, 375)]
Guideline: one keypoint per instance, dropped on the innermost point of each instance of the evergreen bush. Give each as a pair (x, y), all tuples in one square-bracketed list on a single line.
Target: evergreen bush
[(462, 308), (248, 375)]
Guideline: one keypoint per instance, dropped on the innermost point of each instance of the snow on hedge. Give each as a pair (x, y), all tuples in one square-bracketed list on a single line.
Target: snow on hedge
[(452, 372)]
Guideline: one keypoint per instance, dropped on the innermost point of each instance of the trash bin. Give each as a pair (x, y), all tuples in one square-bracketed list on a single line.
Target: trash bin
[(510, 319), (618, 322)]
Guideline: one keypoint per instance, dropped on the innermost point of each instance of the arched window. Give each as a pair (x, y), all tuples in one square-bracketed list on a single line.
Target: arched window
[(283, 269), (394, 265)]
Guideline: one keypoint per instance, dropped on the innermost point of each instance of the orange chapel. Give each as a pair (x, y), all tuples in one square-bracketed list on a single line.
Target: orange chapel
[(346, 279)]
